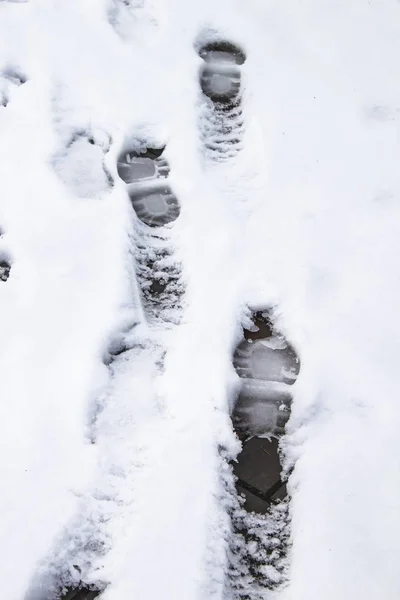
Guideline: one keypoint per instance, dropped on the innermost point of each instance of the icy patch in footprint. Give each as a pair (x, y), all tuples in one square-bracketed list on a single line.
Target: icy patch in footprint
[(80, 165), (137, 20)]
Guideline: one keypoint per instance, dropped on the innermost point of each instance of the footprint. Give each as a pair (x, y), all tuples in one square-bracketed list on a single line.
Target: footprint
[(221, 121), (9, 79), (80, 165), (270, 359), (267, 366), (259, 545), (137, 20), (145, 171), (220, 77)]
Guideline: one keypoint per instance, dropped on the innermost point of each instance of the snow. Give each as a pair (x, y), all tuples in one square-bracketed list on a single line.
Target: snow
[(121, 469)]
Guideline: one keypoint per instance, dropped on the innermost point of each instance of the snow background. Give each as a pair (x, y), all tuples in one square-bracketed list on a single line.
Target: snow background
[(307, 219)]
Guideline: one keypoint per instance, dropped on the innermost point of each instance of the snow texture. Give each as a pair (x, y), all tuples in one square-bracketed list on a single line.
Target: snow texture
[(116, 436)]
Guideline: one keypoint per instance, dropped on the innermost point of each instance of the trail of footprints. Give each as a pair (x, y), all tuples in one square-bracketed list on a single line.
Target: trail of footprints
[(264, 361)]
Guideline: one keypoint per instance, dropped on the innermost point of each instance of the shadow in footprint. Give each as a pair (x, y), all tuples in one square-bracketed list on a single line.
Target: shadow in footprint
[(5, 268), (221, 122), (9, 79), (81, 593)]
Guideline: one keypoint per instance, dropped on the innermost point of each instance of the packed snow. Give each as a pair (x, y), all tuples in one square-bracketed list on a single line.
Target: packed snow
[(116, 465)]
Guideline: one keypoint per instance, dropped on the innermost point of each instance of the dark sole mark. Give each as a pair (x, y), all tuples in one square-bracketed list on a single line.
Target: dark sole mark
[(82, 593), (156, 207), (268, 366), (222, 50), (220, 77), (142, 164), (258, 473), (145, 171), (5, 268), (221, 122)]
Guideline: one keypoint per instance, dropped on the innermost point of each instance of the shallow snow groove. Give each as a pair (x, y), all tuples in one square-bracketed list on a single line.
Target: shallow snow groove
[(80, 165), (305, 218)]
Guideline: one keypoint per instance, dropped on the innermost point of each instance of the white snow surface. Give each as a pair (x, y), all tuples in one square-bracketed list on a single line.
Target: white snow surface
[(306, 218)]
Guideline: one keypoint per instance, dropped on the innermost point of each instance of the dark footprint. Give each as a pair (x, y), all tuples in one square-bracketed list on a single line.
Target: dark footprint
[(267, 366), (81, 593), (5, 263), (258, 473), (221, 122), (145, 171), (80, 165), (220, 77), (9, 79), (5, 268), (142, 165)]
